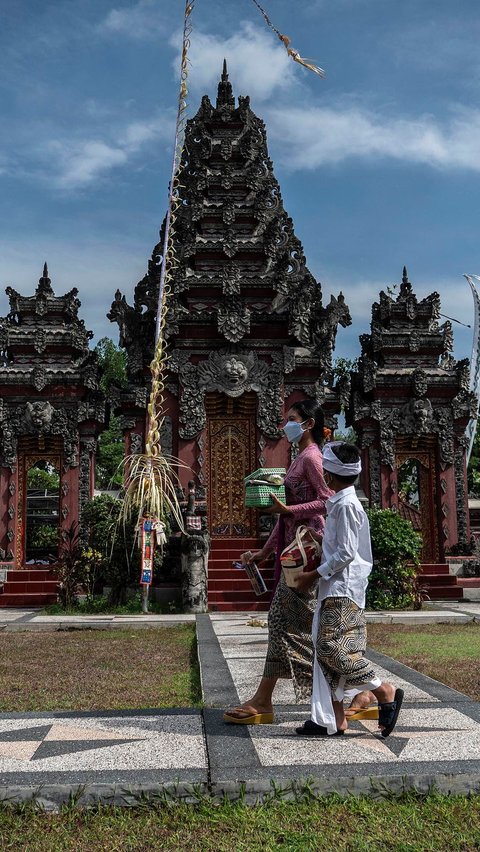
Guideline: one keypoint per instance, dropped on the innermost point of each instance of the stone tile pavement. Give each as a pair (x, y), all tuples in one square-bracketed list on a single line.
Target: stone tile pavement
[(120, 756)]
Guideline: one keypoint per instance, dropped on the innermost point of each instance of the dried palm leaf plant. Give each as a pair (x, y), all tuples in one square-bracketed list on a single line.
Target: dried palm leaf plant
[(150, 477)]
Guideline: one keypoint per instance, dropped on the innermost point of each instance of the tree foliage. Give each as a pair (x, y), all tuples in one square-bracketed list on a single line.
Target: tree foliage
[(111, 445), (113, 363)]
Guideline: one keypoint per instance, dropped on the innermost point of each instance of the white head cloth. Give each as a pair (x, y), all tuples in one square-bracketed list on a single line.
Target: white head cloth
[(332, 464)]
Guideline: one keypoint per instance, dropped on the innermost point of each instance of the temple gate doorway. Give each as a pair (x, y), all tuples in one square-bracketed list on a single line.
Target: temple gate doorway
[(231, 433), (417, 496)]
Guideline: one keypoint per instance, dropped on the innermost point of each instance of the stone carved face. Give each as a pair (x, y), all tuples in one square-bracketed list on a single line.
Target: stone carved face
[(235, 373), (39, 415), (421, 409)]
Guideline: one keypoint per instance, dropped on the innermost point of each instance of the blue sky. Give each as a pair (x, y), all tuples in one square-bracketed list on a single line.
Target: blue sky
[(379, 163)]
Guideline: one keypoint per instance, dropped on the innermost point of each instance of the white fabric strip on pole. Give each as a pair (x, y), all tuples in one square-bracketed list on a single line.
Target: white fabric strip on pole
[(474, 363)]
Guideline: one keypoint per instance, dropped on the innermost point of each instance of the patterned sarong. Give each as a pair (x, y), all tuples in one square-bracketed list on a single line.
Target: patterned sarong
[(290, 647), (341, 643)]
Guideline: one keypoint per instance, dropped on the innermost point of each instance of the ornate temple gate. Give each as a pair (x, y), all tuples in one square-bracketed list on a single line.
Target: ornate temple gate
[(51, 414), (417, 493), (246, 329), (231, 431), (410, 404)]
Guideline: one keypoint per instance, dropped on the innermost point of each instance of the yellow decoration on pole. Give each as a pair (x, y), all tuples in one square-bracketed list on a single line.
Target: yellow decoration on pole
[(150, 477)]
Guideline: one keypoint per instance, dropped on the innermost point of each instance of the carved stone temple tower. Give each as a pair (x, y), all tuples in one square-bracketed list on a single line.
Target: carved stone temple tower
[(51, 412), (248, 333), (410, 405)]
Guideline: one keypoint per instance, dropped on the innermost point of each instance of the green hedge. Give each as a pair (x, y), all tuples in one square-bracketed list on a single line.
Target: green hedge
[(396, 546)]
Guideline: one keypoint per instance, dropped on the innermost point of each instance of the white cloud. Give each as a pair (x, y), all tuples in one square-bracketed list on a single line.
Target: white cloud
[(322, 136), (257, 64), (80, 162), (144, 20)]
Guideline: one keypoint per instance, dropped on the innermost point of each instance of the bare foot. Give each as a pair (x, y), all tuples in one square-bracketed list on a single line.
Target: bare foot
[(247, 709)]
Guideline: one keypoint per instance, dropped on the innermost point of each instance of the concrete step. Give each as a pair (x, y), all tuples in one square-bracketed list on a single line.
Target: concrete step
[(439, 579), (229, 573), (469, 582), (27, 600), (445, 593), (234, 543), (33, 587), (434, 568), (14, 574), (234, 584)]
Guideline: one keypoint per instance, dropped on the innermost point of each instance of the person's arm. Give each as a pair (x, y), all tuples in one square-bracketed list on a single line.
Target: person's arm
[(269, 547), (347, 525), (313, 472)]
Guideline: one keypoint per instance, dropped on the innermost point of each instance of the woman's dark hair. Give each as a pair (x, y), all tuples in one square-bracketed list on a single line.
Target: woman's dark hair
[(308, 408)]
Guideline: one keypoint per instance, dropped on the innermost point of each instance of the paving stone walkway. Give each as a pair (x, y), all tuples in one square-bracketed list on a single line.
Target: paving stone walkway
[(120, 756)]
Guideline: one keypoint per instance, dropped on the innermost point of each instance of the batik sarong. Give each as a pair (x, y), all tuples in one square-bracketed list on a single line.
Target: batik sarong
[(290, 647), (341, 643)]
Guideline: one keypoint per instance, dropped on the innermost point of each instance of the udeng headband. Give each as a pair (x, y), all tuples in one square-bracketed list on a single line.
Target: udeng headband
[(332, 464)]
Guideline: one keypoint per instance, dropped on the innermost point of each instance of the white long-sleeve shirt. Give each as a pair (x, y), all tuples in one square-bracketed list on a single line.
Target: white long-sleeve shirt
[(347, 551)]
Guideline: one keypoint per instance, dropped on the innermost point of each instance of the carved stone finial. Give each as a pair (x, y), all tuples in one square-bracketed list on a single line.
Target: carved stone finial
[(225, 92), (44, 283), (405, 286)]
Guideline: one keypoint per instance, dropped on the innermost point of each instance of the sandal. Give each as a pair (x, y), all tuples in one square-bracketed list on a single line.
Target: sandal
[(311, 729), (388, 713), (249, 719), (354, 714)]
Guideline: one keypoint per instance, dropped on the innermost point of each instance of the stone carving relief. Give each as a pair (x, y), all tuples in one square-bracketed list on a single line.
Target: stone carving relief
[(37, 418), (233, 319), (232, 373)]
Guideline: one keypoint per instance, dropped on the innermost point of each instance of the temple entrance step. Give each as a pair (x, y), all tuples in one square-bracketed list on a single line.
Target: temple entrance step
[(229, 588), (434, 568), (439, 583), (27, 588)]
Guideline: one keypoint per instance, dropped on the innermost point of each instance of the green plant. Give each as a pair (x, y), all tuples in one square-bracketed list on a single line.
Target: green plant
[(115, 541), (396, 546), (44, 535), (69, 567)]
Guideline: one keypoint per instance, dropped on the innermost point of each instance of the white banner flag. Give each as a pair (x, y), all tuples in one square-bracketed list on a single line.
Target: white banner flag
[(474, 362)]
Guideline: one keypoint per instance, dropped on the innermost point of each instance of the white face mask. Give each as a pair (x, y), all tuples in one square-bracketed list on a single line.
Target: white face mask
[(293, 430)]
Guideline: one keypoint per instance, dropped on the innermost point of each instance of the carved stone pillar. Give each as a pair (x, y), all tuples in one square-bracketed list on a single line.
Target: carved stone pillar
[(194, 549)]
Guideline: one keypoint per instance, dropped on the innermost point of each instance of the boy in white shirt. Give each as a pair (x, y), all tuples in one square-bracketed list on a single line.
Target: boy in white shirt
[(339, 628)]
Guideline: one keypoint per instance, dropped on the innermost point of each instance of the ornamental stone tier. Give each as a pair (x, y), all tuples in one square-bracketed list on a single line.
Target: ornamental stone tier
[(410, 405), (51, 412), (247, 330)]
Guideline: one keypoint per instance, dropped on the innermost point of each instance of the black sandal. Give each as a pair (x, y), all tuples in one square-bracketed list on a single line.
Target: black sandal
[(311, 729), (388, 713)]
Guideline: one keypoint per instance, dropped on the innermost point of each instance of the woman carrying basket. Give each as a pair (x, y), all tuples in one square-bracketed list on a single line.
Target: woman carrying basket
[(290, 649)]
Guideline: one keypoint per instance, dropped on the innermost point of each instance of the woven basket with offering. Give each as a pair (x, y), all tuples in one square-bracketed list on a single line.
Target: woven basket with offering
[(263, 482)]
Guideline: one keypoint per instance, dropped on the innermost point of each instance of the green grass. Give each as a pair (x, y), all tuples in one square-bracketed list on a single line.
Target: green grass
[(99, 669), (408, 824), (447, 652)]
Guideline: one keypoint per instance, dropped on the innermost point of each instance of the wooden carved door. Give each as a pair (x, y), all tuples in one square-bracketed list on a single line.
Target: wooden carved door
[(417, 497), (231, 456)]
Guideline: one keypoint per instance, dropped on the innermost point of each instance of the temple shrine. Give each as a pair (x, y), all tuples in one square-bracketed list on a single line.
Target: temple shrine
[(51, 412), (247, 331), (410, 405)]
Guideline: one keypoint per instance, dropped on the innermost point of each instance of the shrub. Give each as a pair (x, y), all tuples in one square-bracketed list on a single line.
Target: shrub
[(396, 546), (69, 567), (120, 563)]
